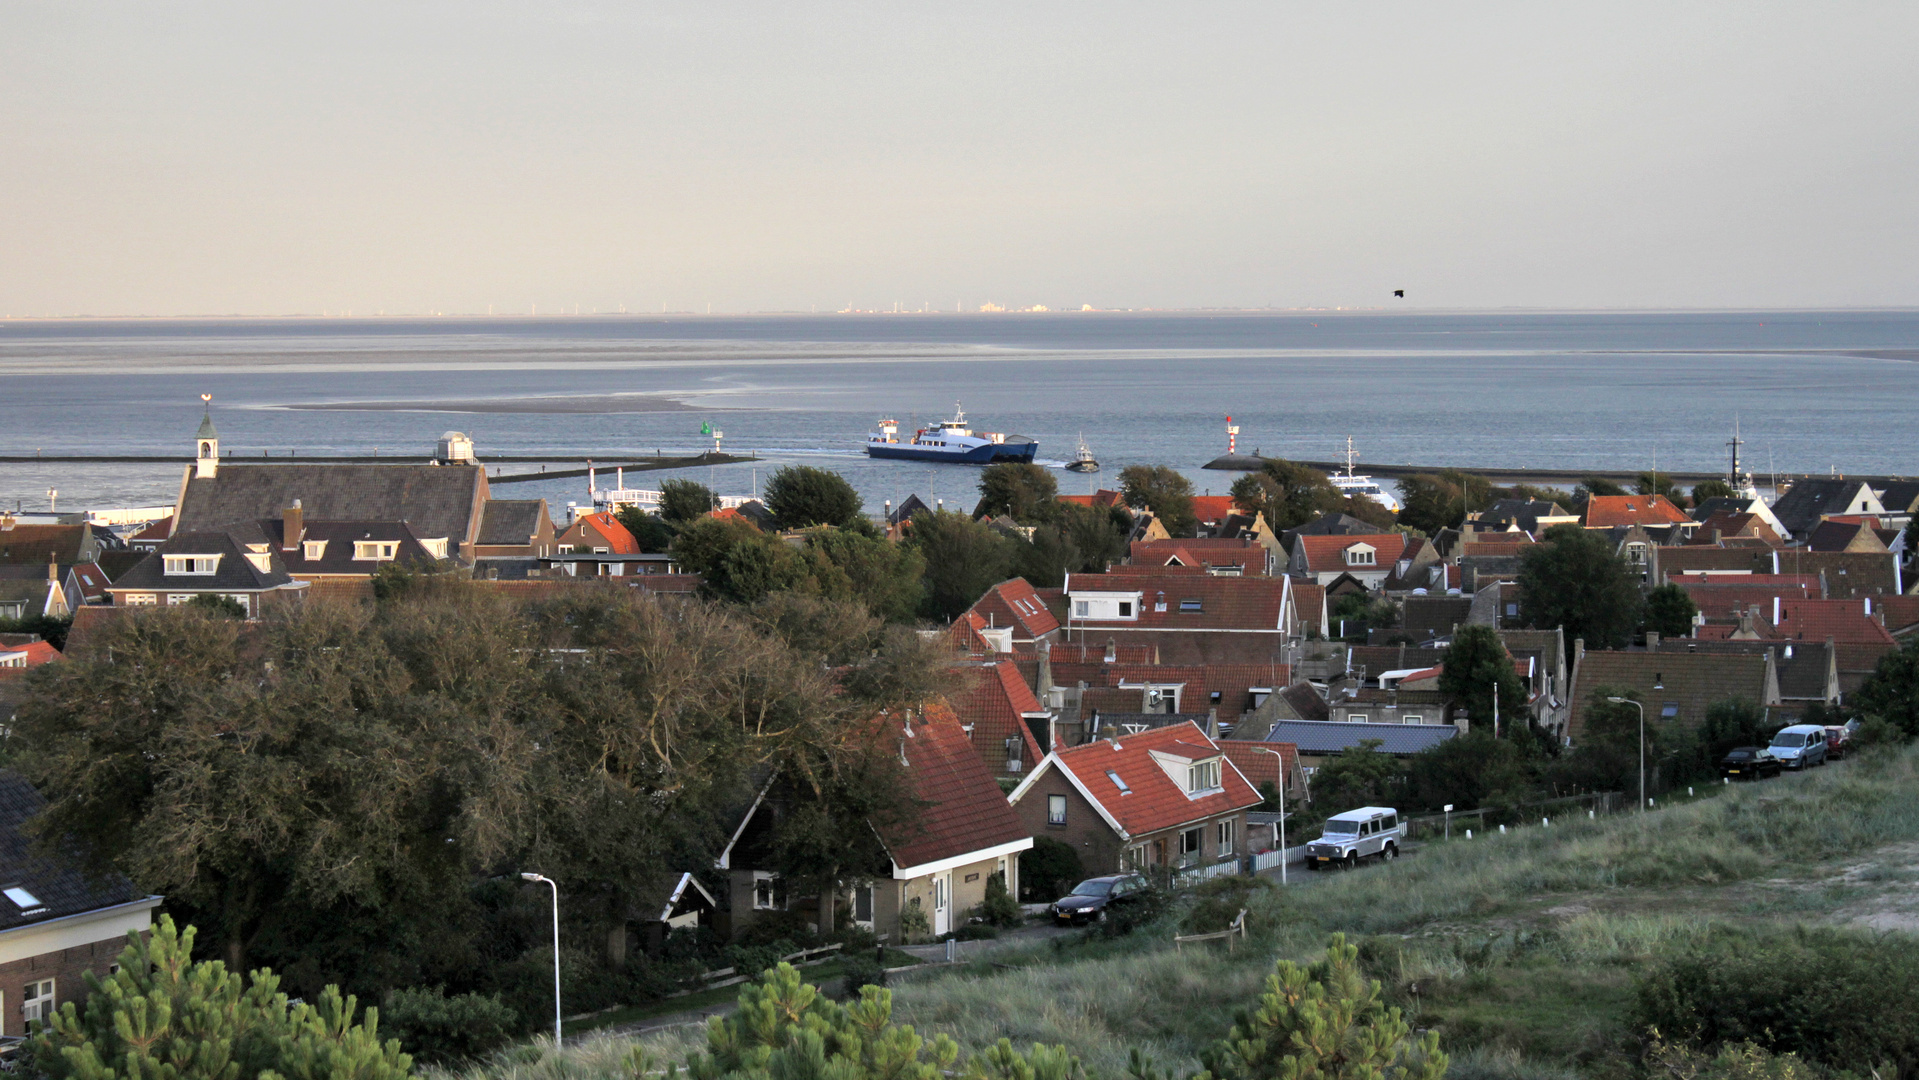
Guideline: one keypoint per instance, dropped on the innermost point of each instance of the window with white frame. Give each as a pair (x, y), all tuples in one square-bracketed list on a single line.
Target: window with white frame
[(1224, 834), (1361, 555), (1080, 608), (1191, 843), (1055, 809), (375, 550), (190, 565), (435, 547), (1355, 717), (176, 598), (768, 895), (36, 1001), (1202, 776), (138, 599), (313, 550)]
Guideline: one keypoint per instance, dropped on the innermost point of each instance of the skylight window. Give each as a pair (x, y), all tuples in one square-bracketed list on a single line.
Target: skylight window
[(1670, 710), (1118, 783), (23, 898), (1191, 605)]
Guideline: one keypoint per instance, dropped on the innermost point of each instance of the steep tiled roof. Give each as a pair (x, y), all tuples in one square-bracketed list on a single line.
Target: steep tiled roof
[(1327, 554), (61, 890), (1808, 500), (1692, 683), (1102, 498), (437, 500), (32, 654), (38, 545), (964, 809), (1331, 737), (601, 528), (339, 537), (1223, 603), (233, 573), (1210, 509), (993, 702), (1434, 616), (1725, 602), (1848, 574), (1239, 551), (1154, 801), (506, 522), (1233, 683), (1840, 620), (1833, 535), (1680, 560), (1257, 762), (93, 581), (1727, 526), (153, 533), (1606, 511), (1015, 603), (1305, 702), (1802, 675), (1902, 613)]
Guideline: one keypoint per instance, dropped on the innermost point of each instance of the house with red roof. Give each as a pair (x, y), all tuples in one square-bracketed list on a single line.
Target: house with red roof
[(1367, 558), (1190, 617), (1164, 798), (30, 654), (1646, 511), (1002, 717), (598, 534), (938, 863), (1014, 614), (1265, 765), (1240, 556)]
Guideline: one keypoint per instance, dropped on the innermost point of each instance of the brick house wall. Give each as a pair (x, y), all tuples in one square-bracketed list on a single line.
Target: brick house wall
[(66, 967), (1099, 848)]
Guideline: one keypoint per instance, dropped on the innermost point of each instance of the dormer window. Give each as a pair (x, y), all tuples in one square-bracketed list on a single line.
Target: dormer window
[(1202, 776), (261, 562), (313, 550), (1361, 555), (375, 550), (190, 565)]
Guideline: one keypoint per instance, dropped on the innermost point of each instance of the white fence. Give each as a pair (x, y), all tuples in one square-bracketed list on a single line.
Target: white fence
[(1266, 860), (1202, 873), (614, 499)]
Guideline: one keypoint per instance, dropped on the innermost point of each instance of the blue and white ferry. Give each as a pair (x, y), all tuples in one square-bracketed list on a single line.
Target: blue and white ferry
[(949, 440)]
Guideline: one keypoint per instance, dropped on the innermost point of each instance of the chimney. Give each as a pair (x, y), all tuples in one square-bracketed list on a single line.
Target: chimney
[(292, 527), (1112, 651), (1212, 723), (1775, 611), (1045, 670), (1652, 641), (53, 569)]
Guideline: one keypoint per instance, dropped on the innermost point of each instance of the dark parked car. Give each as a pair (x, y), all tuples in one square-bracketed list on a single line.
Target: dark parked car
[(1838, 740), (1749, 763), (1090, 898)]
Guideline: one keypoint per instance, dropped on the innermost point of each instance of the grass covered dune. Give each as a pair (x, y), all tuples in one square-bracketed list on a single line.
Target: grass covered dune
[(1524, 951)]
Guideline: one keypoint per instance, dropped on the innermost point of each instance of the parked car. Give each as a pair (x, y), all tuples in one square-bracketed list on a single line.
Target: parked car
[(1800, 746), (1090, 899), (1347, 838), (1749, 763), (1837, 736)]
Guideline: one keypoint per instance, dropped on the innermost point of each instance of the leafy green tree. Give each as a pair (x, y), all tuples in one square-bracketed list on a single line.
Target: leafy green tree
[(1021, 490), (1047, 871), (1472, 771), (852, 565), (1670, 611), (215, 603), (1597, 485), (1710, 489), (1325, 1021), (1289, 494), (1574, 579), (1606, 755), (1163, 492), (800, 496), (737, 561), (1357, 776), (1891, 692), (52, 631), (1658, 483), (1732, 722), (1363, 611), (1434, 501), (1094, 535), (1370, 511), (651, 531), (1476, 666), (441, 1030), (1536, 493), (162, 1015), (682, 501), (963, 558)]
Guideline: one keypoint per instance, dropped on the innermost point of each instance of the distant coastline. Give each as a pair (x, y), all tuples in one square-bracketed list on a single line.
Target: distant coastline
[(581, 404)]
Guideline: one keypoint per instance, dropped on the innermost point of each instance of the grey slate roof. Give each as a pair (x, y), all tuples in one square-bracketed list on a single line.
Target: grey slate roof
[(1802, 676), (337, 556), (235, 573), (1331, 737), (1800, 508), (1434, 616), (1305, 701), (437, 500), (510, 521), (61, 890)]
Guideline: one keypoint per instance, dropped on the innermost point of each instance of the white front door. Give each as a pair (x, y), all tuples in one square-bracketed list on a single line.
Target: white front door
[(942, 904)]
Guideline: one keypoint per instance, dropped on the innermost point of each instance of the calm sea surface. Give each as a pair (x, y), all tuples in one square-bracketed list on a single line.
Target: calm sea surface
[(1811, 391)]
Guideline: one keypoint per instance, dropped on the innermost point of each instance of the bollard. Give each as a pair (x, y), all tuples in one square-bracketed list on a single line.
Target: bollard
[(952, 950), (1469, 834), (1689, 792), (1545, 823), (1589, 815), (1725, 779), (1502, 830)]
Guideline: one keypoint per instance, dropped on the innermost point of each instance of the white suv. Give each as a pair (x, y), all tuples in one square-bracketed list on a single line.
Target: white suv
[(1800, 745), (1354, 835)]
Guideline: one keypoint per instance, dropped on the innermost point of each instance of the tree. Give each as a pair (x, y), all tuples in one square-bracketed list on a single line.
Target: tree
[(217, 604), (1163, 492), (1289, 494), (1049, 870), (162, 1015), (650, 531), (800, 496), (1597, 485), (1658, 483), (1095, 535), (1476, 666), (850, 565), (1323, 1022), (1366, 611), (1472, 771), (963, 559), (1430, 502), (1536, 493), (682, 501), (1606, 758), (1670, 611), (1891, 692), (1575, 580), (1021, 490), (1357, 776), (1710, 489), (736, 561)]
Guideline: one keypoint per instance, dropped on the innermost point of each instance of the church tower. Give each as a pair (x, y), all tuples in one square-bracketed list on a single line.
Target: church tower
[(206, 461)]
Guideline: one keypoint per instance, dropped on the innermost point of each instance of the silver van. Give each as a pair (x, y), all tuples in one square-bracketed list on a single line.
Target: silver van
[(1354, 835), (1800, 745)]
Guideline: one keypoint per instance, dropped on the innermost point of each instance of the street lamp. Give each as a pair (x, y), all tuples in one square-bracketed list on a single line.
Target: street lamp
[(1282, 808), (556, 952), (1642, 740)]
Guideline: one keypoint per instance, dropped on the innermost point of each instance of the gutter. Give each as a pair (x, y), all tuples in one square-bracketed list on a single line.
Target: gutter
[(147, 903)]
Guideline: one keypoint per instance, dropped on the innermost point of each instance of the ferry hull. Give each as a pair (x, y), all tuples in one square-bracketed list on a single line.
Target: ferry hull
[(1015, 451), (975, 455)]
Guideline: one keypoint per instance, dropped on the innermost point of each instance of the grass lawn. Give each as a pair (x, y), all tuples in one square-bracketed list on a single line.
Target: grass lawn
[(827, 974)]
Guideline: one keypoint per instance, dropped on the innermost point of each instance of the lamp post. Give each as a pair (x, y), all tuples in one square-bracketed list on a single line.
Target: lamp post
[(1642, 743), (556, 952), (1282, 809)]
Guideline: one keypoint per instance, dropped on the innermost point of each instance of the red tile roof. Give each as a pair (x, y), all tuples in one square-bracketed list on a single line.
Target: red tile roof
[(965, 811), (1605, 511), (618, 540), (1211, 509), (1154, 801), (1327, 554), (1101, 498), (156, 533), (1902, 612), (993, 702), (1225, 603), (35, 653), (1233, 682), (1256, 763), (1724, 602), (1015, 603), (1239, 551), (1840, 620)]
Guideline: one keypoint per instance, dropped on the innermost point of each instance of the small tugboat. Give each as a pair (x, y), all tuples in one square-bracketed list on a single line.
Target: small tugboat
[(1350, 483), (1083, 461), (949, 440)]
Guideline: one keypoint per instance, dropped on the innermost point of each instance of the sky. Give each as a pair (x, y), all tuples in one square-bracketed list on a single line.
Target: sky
[(418, 156)]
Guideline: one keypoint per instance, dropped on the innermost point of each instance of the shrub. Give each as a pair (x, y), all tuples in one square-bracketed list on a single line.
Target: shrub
[(999, 908), (974, 932), (1218, 901), (859, 971), (755, 960), (914, 926), (1149, 904), (439, 1030), (1048, 870), (1741, 1061), (1837, 999)]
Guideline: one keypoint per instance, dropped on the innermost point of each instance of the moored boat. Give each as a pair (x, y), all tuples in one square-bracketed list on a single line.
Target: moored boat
[(1083, 460)]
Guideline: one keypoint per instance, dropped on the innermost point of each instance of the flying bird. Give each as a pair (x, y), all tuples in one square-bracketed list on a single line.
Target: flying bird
[(1401, 293)]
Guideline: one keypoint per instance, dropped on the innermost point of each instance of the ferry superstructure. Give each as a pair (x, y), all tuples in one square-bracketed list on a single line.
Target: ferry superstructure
[(1350, 483), (950, 441)]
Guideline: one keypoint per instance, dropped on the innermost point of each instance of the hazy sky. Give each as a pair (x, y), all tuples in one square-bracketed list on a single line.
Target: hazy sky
[(262, 158)]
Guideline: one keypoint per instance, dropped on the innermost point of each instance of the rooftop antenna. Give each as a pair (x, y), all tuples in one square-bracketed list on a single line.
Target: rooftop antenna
[(1735, 444)]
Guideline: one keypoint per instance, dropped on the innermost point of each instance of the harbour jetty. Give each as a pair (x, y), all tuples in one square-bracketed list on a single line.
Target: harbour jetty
[(1539, 477)]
